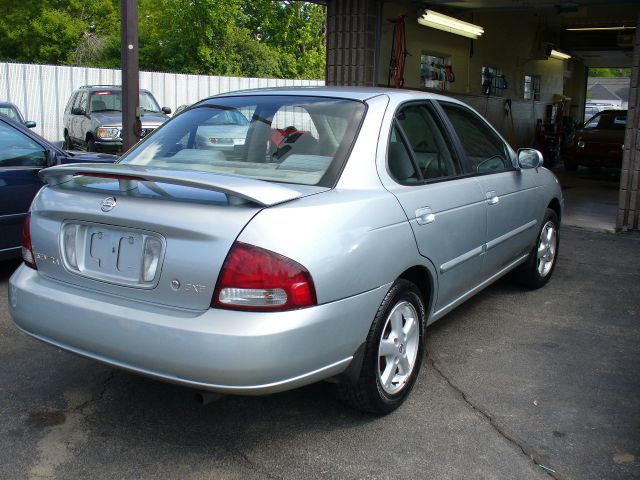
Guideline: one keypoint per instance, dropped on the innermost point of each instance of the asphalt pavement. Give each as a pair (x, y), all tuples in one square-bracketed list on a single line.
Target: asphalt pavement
[(517, 384)]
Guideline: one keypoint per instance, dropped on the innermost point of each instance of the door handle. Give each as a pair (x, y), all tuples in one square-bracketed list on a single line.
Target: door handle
[(492, 197), (424, 215)]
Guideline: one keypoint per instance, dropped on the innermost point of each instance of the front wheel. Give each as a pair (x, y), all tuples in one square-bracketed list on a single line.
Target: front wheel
[(91, 145), (393, 353), (539, 267)]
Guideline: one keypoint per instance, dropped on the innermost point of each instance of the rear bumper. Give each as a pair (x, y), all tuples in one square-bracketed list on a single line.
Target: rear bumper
[(217, 350)]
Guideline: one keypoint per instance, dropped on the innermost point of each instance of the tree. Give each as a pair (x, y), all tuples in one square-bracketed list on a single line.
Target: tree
[(261, 38)]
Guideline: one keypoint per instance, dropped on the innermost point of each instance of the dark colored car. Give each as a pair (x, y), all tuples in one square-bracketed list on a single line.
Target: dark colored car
[(598, 143), (93, 118), (10, 110), (23, 154)]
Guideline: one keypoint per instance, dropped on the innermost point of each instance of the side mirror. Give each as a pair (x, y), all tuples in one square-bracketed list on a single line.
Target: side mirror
[(529, 158), (51, 158), (30, 124), (78, 111), (166, 110)]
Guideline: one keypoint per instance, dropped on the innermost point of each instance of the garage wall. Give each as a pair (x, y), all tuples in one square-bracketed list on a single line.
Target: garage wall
[(507, 44)]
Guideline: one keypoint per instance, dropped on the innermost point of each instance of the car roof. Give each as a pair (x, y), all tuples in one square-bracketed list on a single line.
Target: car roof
[(30, 133), (351, 93), (8, 104), (105, 87)]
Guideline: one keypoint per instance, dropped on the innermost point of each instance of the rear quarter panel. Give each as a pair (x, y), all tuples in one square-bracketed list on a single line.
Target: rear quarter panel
[(350, 241)]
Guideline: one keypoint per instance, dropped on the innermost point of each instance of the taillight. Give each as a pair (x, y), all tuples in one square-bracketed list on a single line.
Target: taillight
[(27, 249), (253, 278)]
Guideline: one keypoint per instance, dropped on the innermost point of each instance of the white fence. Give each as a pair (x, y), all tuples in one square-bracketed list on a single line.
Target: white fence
[(42, 91)]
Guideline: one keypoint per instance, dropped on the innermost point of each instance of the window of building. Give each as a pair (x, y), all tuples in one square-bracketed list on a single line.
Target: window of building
[(493, 81), (532, 87)]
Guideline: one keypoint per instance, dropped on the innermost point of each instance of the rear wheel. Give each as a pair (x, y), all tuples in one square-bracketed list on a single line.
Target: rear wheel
[(393, 353), (539, 267)]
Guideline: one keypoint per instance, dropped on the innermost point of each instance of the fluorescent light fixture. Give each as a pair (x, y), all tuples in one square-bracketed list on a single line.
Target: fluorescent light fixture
[(559, 55), (588, 29), (449, 24)]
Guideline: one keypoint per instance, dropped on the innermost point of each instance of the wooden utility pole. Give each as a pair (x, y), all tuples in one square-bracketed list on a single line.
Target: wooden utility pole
[(131, 124)]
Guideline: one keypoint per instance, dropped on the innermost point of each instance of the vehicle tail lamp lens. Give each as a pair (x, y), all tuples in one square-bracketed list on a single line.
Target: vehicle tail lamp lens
[(151, 258), (69, 241), (253, 278), (27, 249)]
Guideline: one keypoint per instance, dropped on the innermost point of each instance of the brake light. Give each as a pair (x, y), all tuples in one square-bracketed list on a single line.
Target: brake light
[(27, 249), (253, 278)]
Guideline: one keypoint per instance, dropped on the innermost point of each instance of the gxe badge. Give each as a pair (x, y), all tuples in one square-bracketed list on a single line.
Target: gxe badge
[(108, 204)]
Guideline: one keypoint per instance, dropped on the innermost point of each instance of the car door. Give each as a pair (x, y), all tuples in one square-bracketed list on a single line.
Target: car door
[(444, 205), (20, 161), (510, 193), (68, 116)]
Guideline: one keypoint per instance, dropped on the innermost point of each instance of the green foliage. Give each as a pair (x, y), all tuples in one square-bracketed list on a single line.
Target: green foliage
[(609, 72), (261, 38)]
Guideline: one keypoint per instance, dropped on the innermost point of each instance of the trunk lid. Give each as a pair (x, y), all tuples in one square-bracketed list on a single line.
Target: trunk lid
[(104, 232)]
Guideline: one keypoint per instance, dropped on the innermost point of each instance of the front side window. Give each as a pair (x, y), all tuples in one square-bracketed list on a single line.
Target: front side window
[(486, 152), (291, 139), (428, 145), (82, 103), (608, 120), (18, 150)]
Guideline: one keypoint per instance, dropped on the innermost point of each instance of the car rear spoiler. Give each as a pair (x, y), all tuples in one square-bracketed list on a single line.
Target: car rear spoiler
[(237, 188)]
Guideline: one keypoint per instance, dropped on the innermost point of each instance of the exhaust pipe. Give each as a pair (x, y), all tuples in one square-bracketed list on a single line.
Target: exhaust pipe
[(205, 398)]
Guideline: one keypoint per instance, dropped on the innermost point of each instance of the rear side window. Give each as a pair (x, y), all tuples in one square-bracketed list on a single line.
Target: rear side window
[(290, 139), (428, 145), (486, 152), (67, 109)]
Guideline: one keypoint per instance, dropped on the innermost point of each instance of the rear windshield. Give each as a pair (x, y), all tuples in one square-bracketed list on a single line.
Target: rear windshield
[(608, 120), (290, 139)]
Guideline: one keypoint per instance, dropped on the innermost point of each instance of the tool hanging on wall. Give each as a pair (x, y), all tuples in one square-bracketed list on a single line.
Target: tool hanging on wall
[(508, 112), (398, 52)]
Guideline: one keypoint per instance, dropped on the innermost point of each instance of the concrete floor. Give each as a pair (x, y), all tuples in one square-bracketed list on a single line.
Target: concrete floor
[(517, 384), (591, 198)]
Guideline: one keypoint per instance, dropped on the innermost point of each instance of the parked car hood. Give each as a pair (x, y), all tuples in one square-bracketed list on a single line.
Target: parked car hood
[(114, 119)]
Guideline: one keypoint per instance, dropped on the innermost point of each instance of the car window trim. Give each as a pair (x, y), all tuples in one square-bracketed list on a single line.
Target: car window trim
[(407, 145), (507, 151)]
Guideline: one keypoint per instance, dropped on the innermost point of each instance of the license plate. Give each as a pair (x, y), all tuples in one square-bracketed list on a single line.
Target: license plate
[(114, 254)]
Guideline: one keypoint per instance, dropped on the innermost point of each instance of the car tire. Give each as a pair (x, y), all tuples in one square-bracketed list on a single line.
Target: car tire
[(539, 267), (386, 379), (91, 145), (570, 165), (67, 145)]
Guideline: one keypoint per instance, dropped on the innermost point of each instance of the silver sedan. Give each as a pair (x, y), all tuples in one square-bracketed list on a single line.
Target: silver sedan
[(323, 255)]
